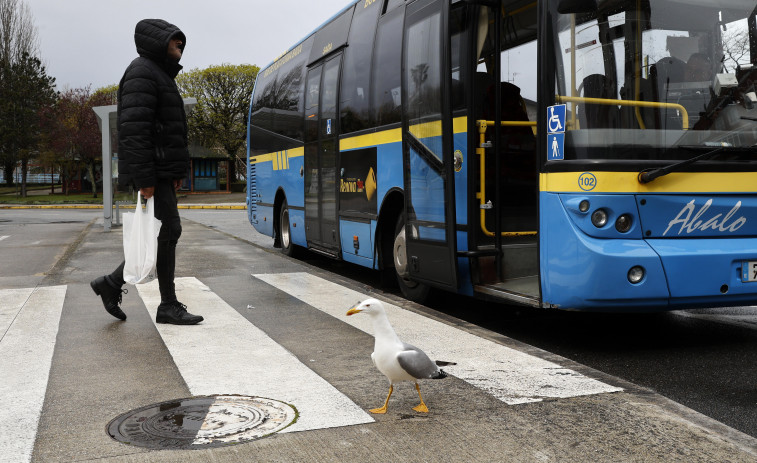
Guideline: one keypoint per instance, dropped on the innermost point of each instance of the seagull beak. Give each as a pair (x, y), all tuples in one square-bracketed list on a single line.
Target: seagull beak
[(353, 311)]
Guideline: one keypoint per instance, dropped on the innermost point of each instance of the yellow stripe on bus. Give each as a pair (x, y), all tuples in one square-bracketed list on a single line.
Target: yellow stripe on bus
[(627, 182), (428, 129), (374, 139), (280, 159)]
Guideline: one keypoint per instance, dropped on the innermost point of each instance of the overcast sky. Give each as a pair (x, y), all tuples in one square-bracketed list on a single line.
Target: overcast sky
[(87, 42)]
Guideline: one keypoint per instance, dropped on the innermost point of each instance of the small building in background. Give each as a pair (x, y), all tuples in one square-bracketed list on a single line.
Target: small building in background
[(208, 171)]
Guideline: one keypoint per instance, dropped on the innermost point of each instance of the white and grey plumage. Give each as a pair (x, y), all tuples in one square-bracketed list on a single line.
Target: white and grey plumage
[(397, 360)]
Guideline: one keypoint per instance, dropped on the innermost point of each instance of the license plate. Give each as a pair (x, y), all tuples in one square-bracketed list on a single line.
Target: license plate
[(749, 271)]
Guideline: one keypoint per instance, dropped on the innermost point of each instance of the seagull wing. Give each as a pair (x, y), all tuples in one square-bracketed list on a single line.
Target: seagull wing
[(416, 363)]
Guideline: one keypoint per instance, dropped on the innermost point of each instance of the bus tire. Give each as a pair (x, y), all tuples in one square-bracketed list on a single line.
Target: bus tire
[(285, 231), (411, 289)]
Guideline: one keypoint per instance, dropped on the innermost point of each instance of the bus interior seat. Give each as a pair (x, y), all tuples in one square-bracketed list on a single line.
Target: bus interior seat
[(512, 108), (481, 105), (628, 113), (666, 71), (594, 116)]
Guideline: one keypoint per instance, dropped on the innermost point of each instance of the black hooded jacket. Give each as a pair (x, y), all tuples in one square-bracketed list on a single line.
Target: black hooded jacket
[(152, 124)]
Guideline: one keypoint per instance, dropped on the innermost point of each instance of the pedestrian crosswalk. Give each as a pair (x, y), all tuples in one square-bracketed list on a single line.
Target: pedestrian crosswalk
[(509, 375), (227, 354), (28, 328), (253, 364)]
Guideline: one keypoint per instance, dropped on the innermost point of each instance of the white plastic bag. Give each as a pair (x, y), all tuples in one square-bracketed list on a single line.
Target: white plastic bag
[(141, 230)]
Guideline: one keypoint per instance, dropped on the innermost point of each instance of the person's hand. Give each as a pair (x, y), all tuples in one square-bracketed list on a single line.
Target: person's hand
[(177, 184), (147, 192)]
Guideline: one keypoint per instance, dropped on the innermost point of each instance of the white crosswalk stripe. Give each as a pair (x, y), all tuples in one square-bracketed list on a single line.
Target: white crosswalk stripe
[(4, 237), (29, 320), (227, 354), (253, 364), (509, 375)]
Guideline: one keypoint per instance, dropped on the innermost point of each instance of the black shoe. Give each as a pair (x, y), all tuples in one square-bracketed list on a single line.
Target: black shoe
[(176, 313), (111, 296)]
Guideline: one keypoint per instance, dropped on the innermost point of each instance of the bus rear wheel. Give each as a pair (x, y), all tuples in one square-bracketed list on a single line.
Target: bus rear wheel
[(411, 289), (285, 231)]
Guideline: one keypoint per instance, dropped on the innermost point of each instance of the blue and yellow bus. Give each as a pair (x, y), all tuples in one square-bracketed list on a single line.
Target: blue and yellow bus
[(571, 154)]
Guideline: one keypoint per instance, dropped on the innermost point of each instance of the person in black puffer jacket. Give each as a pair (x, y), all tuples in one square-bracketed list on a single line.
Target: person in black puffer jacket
[(153, 156)]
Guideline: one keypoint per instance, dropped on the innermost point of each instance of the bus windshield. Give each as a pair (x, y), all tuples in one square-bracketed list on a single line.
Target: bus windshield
[(655, 79)]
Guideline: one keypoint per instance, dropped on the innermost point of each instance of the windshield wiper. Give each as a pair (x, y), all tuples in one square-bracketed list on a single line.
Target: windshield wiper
[(646, 176)]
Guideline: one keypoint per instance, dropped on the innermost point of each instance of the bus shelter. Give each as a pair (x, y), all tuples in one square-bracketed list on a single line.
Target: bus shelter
[(106, 119)]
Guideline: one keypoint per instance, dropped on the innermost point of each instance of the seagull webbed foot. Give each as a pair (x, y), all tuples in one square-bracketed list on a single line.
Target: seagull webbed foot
[(382, 410), (421, 408)]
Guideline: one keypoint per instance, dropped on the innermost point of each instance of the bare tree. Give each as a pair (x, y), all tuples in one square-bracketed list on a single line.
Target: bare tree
[(18, 33), (18, 38), (735, 48)]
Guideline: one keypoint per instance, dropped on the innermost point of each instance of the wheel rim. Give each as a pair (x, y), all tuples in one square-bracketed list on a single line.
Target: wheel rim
[(285, 238), (400, 258)]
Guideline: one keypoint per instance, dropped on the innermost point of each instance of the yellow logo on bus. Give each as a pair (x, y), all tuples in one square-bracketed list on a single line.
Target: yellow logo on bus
[(357, 185), (370, 184), (281, 160)]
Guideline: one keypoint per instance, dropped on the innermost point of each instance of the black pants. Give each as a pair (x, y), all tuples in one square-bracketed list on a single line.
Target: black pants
[(170, 231)]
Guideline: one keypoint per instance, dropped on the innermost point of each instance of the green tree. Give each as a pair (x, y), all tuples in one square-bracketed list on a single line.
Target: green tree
[(25, 90), (18, 36), (74, 140), (106, 96), (219, 121)]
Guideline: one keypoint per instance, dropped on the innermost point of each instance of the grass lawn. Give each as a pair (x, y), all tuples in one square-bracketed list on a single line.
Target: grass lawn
[(60, 198), (12, 190)]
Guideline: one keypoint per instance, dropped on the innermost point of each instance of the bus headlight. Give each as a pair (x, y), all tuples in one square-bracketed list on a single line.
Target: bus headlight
[(636, 274), (599, 218), (623, 224)]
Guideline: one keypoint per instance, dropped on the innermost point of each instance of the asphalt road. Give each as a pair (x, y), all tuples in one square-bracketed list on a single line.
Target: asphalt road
[(703, 359)]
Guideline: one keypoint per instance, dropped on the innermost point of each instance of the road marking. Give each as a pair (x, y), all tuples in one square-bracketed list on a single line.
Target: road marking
[(226, 354), (4, 237), (29, 321), (509, 375)]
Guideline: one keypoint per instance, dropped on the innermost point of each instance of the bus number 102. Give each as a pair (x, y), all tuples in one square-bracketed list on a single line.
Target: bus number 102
[(587, 181)]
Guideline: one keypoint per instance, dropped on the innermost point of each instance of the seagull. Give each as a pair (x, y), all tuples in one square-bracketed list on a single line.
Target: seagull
[(397, 360)]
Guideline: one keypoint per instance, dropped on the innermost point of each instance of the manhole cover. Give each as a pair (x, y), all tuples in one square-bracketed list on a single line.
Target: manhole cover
[(201, 422)]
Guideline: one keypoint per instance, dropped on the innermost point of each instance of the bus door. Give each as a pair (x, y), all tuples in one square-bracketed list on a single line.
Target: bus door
[(321, 139), (504, 114), (427, 146)]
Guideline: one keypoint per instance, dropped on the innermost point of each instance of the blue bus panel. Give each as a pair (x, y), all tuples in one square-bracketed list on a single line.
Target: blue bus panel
[(586, 266)]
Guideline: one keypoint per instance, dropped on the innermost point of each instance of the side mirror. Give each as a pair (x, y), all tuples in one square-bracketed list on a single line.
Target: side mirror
[(577, 6)]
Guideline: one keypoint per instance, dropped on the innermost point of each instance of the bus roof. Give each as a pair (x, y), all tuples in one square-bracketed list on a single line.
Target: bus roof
[(334, 16)]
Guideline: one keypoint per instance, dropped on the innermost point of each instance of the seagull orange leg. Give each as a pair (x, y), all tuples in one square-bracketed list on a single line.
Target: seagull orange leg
[(383, 409), (422, 408)]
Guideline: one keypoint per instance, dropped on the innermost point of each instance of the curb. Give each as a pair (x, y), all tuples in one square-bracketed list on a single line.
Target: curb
[(87, 206)]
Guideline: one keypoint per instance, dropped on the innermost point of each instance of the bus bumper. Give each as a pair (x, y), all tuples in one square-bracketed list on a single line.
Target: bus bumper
[(707, 272), (582, 272)]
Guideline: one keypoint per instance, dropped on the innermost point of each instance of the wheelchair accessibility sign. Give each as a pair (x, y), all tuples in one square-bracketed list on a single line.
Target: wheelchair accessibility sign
[(556, 132)]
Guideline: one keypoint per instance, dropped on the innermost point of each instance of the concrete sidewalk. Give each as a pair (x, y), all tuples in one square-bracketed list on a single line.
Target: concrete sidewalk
[(220, 200)]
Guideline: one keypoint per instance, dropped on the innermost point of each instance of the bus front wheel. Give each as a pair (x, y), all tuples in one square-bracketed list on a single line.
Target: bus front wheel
[(411, 289), (285, 231)]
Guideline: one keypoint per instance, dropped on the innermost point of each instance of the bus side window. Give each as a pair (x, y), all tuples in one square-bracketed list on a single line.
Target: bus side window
[(289, 103), (387, 61), (261, 117), (356, 80)]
